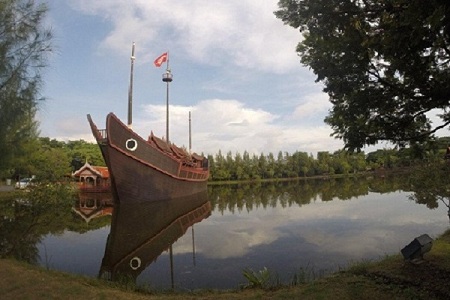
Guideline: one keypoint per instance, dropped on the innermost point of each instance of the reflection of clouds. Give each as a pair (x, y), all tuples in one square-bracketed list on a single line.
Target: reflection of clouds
[(374, 225), (237, 243), (229, 235), (394, 209), (370, 226), (235, 235), (358, 243)]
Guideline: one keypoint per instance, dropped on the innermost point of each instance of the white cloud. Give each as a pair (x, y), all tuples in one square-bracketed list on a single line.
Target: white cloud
[(226, 125), (313, 104), (242, 33), (230, 125), (238, 99)]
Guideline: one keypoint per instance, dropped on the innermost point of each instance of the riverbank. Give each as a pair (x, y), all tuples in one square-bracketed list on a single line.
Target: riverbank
[(391, 277)]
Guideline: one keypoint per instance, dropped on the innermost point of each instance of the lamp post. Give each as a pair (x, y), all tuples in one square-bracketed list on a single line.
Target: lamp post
[(167, 78)]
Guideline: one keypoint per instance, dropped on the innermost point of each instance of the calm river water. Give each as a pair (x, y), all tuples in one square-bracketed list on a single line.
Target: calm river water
[(301, 227)]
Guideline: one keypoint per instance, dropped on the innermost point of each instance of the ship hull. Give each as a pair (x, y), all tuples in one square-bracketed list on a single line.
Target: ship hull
[(140, 171)]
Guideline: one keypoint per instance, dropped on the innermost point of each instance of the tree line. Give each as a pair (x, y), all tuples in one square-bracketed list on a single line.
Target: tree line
[(53, 160), (301, 164)]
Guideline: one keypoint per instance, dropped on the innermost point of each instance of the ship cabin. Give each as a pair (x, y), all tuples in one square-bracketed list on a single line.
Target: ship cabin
[(192, 160)]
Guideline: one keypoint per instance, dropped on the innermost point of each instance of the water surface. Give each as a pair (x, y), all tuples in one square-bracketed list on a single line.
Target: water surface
[(298, 227)]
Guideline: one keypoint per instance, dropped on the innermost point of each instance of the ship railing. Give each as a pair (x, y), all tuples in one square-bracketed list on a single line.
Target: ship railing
[(102, 133), (188, 173)]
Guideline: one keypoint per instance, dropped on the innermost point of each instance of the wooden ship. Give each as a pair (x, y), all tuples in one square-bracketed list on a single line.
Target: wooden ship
[(152, 169)]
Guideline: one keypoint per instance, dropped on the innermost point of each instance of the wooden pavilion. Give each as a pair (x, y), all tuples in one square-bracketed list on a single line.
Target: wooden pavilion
[(92, 178)]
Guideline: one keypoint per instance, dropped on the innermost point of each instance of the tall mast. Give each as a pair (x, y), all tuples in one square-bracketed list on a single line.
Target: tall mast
[(130, 90), (190, 139), (167, 78)]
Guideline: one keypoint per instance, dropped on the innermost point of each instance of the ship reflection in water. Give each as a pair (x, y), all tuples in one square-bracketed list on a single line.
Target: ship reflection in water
[(141, 232)]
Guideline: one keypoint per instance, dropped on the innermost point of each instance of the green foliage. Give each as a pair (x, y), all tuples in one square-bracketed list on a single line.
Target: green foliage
[(46, 194), (384, 64), (46, 162), (263, 279), (82, 151), (24, 46), (52, 160), (431, 185), (259, 279), (51, 165), (306, 275), (360, 268), (246, 197), (342, 162), (27, 216)]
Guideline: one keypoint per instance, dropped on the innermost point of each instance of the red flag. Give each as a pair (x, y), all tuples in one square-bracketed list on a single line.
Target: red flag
[(161, 59)]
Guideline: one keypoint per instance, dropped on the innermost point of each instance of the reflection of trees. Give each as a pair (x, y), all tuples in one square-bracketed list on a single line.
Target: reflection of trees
[(18, 230), (391, 182), (27, 216), (431, 184), (299, 192)]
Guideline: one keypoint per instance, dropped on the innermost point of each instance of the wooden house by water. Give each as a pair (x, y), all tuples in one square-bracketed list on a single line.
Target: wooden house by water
[(93, 179)]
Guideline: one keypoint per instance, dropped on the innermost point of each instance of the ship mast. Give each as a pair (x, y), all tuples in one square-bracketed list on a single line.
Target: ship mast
[(167, 78), (130, 90), (190, 139)]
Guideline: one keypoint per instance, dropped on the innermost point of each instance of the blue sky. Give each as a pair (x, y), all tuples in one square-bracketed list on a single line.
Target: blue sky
[(234, 67)]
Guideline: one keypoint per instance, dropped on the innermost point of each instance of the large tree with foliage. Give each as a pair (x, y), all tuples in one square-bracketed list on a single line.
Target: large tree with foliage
[(384, 64), (24, 45)]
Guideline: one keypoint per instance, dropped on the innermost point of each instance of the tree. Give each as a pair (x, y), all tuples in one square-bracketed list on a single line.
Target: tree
[(220, 170), (82, 151), (384, 64), (239, 167), (280, 165), (51, 164), (341, 163), (24, 45), (324, 163)]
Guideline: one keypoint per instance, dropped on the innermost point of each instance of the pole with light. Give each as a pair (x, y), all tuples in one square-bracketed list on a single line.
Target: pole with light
[(167, 78)]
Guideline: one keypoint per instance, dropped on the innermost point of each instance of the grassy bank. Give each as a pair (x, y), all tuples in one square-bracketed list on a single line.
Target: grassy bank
[(391, 277)]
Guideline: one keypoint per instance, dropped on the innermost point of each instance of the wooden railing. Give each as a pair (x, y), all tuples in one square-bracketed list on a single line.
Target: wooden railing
[(103, 133), (195, 174)]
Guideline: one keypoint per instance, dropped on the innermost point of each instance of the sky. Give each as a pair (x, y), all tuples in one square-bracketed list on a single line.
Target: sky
[(234, 68)]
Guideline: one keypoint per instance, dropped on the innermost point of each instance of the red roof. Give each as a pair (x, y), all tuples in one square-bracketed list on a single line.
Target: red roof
[(100, 171), (103, 170)]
